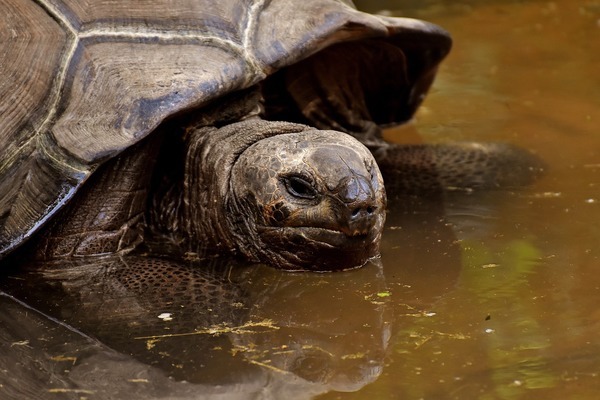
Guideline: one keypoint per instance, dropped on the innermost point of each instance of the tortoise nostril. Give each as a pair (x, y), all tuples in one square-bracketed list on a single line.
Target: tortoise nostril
[(361, 203), (362, 212)]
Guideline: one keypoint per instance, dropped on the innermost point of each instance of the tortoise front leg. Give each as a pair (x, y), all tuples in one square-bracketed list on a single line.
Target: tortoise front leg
[(107, 214), (420, 168)]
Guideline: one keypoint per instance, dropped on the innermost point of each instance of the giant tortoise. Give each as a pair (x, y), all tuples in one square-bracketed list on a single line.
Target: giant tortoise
[(151, 126)]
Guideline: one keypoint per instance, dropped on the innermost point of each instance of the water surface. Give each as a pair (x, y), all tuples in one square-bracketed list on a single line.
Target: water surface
[(521, 321), (477, 295)]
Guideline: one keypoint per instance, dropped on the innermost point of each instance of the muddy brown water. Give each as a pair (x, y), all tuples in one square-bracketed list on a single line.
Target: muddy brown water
[(482, 295)]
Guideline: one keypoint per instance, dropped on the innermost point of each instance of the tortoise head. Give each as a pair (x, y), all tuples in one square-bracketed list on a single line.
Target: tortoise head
[(308, 200)]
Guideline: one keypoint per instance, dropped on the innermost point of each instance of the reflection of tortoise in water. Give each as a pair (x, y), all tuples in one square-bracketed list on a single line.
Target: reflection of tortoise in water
[(85, 88)]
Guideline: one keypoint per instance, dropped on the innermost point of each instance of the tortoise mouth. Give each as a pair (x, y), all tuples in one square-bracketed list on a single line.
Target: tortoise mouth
[(320, 249), (327, 237)]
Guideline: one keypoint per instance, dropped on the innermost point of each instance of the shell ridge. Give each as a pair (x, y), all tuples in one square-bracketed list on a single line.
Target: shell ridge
[(248, 38), (153, 34), (57, 86)]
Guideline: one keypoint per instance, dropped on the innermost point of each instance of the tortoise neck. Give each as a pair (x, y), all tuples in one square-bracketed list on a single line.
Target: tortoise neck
[(187, 210), (186, 213)]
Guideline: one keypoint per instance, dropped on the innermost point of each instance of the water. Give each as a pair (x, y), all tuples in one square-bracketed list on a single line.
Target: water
[(484, 295), (521, 320)]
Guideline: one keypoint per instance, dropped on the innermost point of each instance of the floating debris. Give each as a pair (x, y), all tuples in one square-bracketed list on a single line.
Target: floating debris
[(491, 265), (66, 390), (547, 195), (166, 316), (355, 356), (64, 358), (217, 330)]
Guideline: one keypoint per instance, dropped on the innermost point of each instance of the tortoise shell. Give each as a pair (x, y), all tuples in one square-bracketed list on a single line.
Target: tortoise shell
[(83, 80)]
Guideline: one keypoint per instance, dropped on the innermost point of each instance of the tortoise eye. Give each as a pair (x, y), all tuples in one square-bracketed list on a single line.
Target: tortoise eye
[(299, 187)]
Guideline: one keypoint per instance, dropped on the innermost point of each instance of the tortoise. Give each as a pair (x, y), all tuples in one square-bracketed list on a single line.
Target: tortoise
[(249, 127)]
